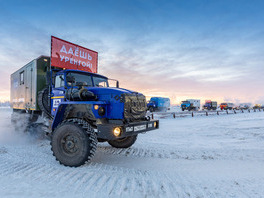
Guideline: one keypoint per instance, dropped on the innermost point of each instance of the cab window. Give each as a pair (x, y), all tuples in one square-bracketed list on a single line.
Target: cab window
[(59, 81), (79, 77), (100, 82)]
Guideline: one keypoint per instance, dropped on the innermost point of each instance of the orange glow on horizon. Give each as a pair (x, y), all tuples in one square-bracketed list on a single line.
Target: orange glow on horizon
[(175, 97)]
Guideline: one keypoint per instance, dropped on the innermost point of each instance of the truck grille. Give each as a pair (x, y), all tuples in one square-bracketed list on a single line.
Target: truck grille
[(135, 106)]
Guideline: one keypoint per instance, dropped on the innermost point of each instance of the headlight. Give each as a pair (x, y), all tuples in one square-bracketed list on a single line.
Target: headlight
[(96, 107), (117, 131)]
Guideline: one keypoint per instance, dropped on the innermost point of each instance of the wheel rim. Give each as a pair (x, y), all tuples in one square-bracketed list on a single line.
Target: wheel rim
[(70, 144)]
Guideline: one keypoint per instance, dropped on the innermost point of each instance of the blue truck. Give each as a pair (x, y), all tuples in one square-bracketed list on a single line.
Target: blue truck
[(79, 108), (210, 105), (158, 104)]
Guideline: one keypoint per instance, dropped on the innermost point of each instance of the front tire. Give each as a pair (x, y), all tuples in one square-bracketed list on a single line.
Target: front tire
[(123, 142), (73, 144)]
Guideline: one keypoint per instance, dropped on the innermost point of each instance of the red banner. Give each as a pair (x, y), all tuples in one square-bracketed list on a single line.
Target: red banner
[(71, 56)]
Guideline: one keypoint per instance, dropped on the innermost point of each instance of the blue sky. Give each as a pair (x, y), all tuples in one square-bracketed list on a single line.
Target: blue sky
[(180, 49)]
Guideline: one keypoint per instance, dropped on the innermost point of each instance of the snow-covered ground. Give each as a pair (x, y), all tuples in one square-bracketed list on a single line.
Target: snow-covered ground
[(214, 156)]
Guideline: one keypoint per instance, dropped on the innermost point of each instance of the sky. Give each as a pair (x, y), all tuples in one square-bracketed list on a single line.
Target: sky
[(179, 49)]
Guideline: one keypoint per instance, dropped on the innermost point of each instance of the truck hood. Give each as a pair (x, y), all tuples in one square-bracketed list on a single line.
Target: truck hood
[(122, 103), (111, 90)]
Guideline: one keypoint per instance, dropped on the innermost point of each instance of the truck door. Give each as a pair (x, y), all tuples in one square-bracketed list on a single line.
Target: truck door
[(28, 86), (57, 93)]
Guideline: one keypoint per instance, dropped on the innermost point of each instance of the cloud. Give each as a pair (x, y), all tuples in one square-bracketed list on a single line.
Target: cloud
[(176, 53)]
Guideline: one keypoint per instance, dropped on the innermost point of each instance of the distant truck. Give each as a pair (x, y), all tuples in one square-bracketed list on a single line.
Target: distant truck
[(244, 106), (158, 104), (191, 104), (210, 105), (227, 106), (257, 106)]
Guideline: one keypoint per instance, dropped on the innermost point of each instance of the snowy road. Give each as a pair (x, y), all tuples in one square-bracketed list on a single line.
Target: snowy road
[(214, 156)]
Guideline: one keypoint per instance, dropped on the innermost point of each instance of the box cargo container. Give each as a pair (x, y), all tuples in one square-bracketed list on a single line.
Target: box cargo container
[(158, 104), (27, 82)]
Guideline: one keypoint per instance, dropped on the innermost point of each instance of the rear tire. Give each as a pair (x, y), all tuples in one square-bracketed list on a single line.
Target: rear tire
[(43, 102), (72, 144), (123, 142)]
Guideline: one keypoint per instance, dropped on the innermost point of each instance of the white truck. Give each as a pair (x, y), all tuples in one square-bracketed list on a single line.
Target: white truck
[(191, 104)]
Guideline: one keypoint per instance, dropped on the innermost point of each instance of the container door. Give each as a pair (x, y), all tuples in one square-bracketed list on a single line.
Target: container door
[(57, 93), (28, 86)]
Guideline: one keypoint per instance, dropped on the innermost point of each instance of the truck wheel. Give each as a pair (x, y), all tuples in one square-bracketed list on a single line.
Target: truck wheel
[(151, 109), (123, 142), (73, 144)]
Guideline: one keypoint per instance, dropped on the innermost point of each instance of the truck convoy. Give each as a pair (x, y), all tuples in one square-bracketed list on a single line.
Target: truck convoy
[(77, 103), (158, 104), (190, 104), (210, 105)]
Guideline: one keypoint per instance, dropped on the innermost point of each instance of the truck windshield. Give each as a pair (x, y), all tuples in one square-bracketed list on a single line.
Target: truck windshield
[(73, 77), (100, 82)]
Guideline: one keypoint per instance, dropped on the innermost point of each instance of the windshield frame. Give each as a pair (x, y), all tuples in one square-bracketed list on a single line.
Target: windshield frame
[(98, 77), (91, 75)]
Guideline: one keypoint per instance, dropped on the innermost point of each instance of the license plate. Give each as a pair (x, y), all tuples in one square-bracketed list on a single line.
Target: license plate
[(140, 127), (129, 129)]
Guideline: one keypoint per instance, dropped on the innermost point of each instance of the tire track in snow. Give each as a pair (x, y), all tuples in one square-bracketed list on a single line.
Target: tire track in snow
[(95, 176), (123, 182), (177, 154)]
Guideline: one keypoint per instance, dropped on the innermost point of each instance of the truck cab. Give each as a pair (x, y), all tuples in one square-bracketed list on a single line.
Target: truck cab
[(223, 106), (185, 105), (65, 80)]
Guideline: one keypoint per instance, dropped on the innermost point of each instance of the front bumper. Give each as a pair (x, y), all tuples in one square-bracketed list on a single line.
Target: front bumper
[(105, 131)]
